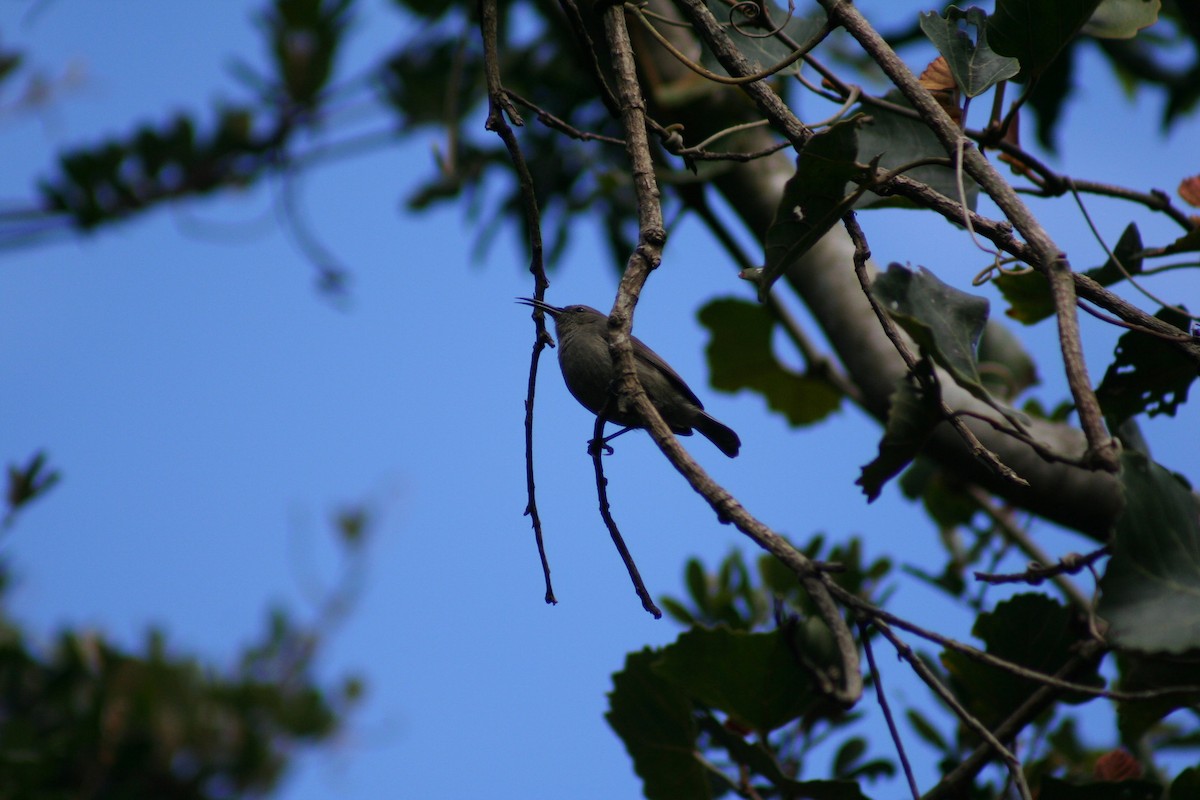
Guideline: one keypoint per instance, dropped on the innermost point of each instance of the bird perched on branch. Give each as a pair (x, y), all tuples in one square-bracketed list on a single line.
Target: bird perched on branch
[(587, 368)]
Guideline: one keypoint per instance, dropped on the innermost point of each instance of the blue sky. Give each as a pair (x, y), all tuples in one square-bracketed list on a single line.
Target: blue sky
[(209, 410)]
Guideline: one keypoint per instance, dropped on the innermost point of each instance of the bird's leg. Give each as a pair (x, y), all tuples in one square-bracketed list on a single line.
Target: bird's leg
[(608, 451)]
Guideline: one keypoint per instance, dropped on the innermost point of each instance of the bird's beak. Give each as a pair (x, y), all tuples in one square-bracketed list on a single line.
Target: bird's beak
[(541, 305)]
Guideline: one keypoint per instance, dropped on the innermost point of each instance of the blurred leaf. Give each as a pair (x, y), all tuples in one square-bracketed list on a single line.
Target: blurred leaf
[(1186, 784), (926, 731), (1150, 592), (740, 356), (653, 717), (1147, 375), (975, 66), (1034, 31), (814, 198), (1056, 789), (1005, 367), (26, 484), (1122, 19), (762, 762), (753, 677), (1028, 629), (305, 38), (945, 322), (912, 416)]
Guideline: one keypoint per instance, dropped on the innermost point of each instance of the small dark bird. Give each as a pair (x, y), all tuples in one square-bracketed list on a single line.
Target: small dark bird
[(587, 369)]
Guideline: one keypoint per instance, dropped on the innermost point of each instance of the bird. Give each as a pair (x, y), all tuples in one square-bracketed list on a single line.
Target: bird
[(587, 369)]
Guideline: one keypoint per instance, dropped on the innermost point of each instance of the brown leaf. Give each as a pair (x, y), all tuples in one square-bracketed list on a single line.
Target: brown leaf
[(1189, 190), (1117, 765), (937, 76)]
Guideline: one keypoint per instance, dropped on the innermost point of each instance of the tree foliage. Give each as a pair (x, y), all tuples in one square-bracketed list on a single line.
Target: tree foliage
[(613, 112)]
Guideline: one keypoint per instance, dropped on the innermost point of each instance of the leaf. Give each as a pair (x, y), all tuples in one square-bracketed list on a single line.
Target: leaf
[(896, 140), (944, 321), (1122, 19), (1034, 31), (1030, 630), (1186, 784), (1139, 672), (814, 199), (1150, 592), (975, 66), (1147, 375), (763, 762), (1058, 789), (752, 677), (740, 356), (767, 51), (911, 418), (1189, 190), (1028, 292), (653, 717)]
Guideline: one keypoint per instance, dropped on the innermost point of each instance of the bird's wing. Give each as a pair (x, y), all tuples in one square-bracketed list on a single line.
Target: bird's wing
[(653, 359)]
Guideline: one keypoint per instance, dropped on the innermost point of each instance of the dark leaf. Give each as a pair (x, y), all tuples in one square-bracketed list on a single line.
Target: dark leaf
[(814, 199), (1034, 31), (654, 719), (1030, 630), (1150, 592), (911, 418), (1056, 789), (1148, 375)]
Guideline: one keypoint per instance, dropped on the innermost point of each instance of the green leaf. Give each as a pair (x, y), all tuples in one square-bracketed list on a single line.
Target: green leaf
[(740, 356), (1122, 19), (911, 418), (1057, 789), (814, 199), (767, 51), (654, 719), (1028, 292), (752, 677), (926, 730), (944, 321), (763, 762), (1140, 672), (1186, 784), (896, 140), (1150, 592), (1030, 630), (1034, 31), (1147, 375), (975, 66)]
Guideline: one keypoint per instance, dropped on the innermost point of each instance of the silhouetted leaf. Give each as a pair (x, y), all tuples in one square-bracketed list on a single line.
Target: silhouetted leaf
[(1057, 789), (912, 416), (1034, 31), (653, 717), (1147, 375)]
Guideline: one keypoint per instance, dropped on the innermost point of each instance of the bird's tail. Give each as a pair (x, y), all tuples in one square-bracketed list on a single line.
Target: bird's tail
[(723, 437)]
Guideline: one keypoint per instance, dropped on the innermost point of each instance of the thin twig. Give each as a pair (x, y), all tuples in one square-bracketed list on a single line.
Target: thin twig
[(596, 449), (877, 677), (969, 719), (498, 105)]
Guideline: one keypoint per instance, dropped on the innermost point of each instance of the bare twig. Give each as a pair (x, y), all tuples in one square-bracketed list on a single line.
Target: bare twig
[(969, 719), (877, 678), (498, 105), (596, 449)]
